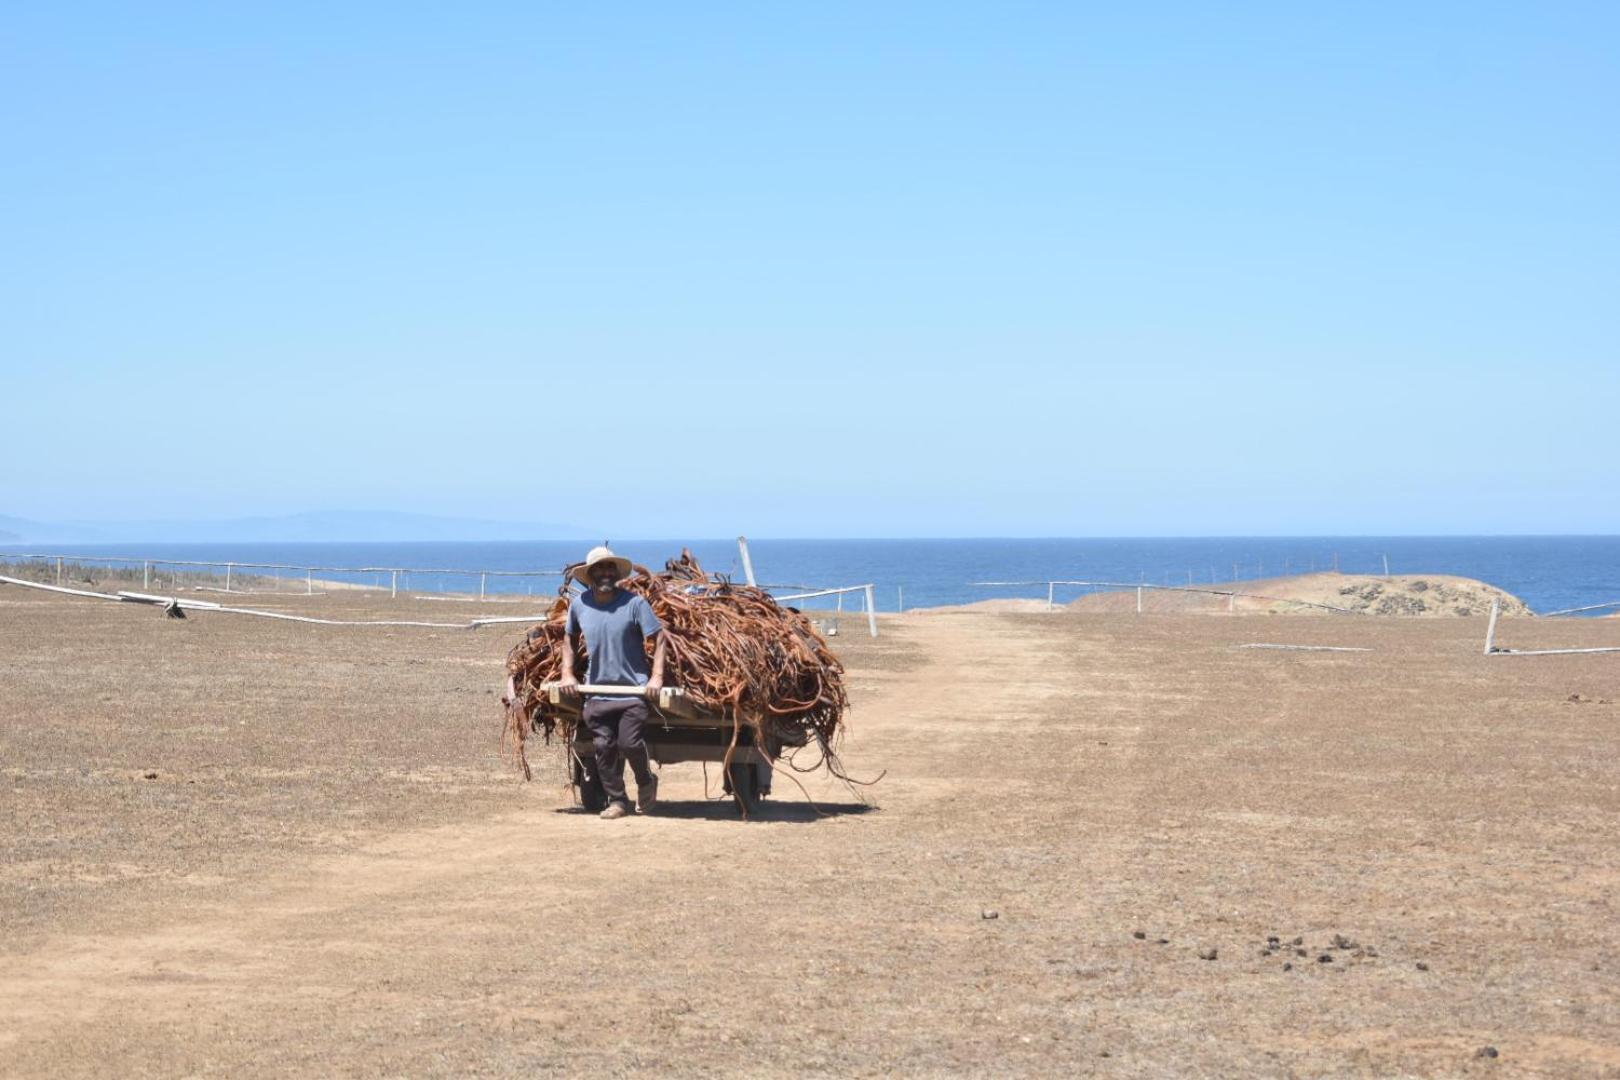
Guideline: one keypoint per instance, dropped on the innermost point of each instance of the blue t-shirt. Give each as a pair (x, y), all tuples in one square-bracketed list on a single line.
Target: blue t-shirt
[(616, 636)]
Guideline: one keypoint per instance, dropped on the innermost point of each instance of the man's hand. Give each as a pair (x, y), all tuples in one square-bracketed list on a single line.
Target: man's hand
[(654, 685), (568, 686)]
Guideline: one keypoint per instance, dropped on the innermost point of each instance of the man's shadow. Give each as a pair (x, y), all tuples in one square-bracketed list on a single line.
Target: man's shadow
[(785, 811)]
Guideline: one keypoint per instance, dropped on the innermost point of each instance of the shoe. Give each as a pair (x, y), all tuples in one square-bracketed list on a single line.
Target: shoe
[(647, 795), (615, 811)]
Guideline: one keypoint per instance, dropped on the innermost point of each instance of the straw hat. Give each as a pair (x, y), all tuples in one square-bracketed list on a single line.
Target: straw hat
[(582, 572)]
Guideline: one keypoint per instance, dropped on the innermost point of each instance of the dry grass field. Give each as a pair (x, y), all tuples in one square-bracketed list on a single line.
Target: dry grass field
[(1105, 844)]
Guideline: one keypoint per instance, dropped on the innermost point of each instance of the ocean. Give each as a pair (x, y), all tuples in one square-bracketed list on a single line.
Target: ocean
[(1547, 572)]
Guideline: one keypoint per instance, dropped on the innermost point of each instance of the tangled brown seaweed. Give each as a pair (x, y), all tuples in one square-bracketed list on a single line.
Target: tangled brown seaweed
[(732, 648)]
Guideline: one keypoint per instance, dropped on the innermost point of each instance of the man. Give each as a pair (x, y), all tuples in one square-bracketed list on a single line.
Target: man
[(616, 626)]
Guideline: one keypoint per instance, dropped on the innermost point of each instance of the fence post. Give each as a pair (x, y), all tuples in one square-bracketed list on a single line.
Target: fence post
[(228, 568), (309, 582), (146, 575), (1386, 566), (1051, 588), (59, 569), (1490, 631), (840, 603), (748, 563), (393, 584), (900, 598), (483, 581), (871, 612), (1139, 599)]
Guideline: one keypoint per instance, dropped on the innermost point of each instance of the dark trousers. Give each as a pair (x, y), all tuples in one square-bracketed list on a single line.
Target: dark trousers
[(616, 725)]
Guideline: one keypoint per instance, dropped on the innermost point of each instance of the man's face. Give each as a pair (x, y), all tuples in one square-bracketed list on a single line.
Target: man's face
[(604, 576)]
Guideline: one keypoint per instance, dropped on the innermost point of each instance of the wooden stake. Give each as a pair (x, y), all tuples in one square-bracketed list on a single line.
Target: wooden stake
[(1490, 631)]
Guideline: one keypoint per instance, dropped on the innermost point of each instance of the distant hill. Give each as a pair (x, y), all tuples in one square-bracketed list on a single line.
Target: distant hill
[(317, 526), (16, 530)]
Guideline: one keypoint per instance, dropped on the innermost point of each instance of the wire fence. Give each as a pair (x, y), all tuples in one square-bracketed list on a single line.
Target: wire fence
[(271, 578), (101, 576), (523, 586), (1141, 589)]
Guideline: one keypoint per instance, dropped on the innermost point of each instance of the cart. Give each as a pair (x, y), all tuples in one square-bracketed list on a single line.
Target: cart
[(677, 730)]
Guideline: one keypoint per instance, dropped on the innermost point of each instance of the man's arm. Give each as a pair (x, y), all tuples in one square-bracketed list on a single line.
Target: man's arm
[(569, 680), (655, 682)]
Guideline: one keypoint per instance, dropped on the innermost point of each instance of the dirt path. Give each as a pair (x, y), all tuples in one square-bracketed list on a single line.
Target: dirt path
[(1057, 785), (511, 923)]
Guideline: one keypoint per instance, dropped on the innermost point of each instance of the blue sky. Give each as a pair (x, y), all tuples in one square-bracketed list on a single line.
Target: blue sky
[(818, 270)]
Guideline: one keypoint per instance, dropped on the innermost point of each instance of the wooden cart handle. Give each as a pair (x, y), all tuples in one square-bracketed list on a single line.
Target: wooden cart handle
[(666, 696)]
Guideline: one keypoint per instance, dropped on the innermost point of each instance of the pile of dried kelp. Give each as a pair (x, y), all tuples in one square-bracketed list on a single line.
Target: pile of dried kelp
[(732, 648)]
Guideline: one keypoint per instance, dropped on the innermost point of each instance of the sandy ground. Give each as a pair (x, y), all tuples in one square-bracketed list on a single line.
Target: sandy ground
[(232, 846)]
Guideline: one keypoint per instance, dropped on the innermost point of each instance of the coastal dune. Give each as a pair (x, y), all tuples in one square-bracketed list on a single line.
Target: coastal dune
[(1425, 595)]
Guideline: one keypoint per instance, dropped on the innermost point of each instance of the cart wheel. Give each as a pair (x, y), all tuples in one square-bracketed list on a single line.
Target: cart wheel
[(589, 785), (744, 787)]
